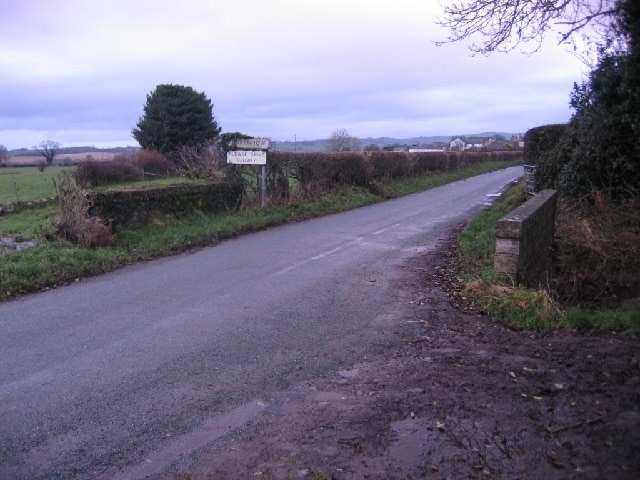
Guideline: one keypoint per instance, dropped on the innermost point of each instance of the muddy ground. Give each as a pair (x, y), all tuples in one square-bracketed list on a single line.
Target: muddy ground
[(455, 397)]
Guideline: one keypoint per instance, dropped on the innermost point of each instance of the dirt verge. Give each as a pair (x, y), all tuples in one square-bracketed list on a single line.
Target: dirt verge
[(455, 397)]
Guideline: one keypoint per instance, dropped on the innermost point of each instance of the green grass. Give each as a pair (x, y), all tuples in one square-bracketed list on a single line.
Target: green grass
[(28, 222), (26, 184), (58, 263), (625, 322), (517, 307), (160, 181), (477, 243), (49, 266)]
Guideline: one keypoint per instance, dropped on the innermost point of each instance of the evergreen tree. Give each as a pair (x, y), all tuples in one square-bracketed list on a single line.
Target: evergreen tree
[(176, 116), (603, 133)]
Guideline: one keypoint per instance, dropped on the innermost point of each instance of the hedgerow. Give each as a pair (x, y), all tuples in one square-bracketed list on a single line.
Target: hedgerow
[(327, 170)]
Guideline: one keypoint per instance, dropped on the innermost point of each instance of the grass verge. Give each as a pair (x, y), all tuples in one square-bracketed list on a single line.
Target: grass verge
[(517, 307), (52, 264)]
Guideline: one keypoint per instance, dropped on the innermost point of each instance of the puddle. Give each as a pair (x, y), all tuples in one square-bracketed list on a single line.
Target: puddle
[(418, 249), (491, 198), (329, 397), (483, 354), (445, 351), (208, 431), (349, 373), (411, 447)]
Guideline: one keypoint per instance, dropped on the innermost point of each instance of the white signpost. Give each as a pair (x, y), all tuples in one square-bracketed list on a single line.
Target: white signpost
[(251, 151), (247, 157)]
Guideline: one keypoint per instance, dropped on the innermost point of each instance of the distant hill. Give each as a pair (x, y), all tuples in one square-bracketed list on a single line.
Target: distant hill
[(25, 152), (320, 145)]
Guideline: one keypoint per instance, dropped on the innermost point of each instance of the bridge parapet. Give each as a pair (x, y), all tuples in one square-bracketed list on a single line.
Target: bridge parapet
[(524, 238)]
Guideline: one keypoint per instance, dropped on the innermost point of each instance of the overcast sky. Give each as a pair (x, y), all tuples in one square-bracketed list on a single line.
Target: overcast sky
[(78, 71)]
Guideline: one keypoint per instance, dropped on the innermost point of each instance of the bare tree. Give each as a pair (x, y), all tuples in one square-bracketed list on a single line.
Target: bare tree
[(48, 149), (4, 154), (341, 141), (505, 24)]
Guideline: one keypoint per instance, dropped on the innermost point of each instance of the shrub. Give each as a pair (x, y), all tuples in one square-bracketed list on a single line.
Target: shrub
[(597, 251), (278, 178), (392, 164), (153, 163), (92, 173), (539, 141), (74, 222), (350, 168), (433, 161), (340, 168), (201, 162), (546, 148), (605, 128)]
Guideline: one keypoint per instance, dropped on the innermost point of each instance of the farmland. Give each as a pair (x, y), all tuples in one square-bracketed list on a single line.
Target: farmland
[(60, 158), (26, 184)]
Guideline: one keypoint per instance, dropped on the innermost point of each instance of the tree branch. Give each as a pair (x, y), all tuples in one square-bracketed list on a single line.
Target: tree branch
[(505, 24)]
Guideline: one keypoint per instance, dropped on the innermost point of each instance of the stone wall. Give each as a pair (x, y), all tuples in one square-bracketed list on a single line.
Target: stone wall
[(129, 207), (524, 238)]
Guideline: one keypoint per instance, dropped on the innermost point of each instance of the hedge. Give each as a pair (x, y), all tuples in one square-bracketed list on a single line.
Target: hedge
[(128, 207), (361, 168), (543, 147)]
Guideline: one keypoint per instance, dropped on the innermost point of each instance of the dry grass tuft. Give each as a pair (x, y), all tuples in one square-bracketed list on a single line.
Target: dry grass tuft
[(516, 307), (74, 222), (597, 252)]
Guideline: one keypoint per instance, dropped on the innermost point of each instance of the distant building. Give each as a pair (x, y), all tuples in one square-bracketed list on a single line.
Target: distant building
[(499, 143), (428, 147), (516, 140), (472, 143)]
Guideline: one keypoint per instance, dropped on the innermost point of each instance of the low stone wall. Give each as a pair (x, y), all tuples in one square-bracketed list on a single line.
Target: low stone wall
[(523, 241), (134, 206)]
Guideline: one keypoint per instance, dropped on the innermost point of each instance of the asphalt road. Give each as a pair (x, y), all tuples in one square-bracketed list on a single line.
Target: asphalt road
[(116, 375)]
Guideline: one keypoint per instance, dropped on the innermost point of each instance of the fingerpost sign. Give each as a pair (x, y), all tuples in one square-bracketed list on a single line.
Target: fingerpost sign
[(251, 151)]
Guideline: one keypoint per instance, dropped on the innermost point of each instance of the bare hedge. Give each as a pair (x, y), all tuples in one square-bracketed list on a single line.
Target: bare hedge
[(124, 168), (362, 168)]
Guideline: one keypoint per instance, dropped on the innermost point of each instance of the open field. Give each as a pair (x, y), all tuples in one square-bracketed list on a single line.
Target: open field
[(76, 157), (25, 184)]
